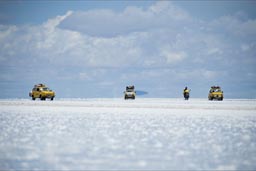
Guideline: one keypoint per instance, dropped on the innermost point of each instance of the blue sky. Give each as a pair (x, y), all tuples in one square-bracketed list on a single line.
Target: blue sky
[(85, 49)]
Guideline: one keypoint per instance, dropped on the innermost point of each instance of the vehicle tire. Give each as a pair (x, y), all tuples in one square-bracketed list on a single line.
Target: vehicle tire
[(33, 98), (42, 98), (52, 98)]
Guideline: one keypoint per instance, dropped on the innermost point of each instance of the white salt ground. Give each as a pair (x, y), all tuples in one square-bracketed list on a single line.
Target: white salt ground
[(113, 134)]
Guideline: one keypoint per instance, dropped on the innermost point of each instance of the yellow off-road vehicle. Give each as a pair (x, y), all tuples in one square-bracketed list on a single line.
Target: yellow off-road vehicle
[(215, 93), (41, 91)]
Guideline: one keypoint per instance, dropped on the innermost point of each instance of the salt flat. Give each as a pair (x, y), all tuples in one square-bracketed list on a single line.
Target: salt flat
[(114, 134)]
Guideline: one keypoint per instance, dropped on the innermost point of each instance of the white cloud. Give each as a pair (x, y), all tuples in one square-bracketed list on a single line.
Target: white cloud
[(107, 23), (84, 76), (210, 74), (233, 25), (214, 51), (174, 57), (245, 47), (114, 52), (6, 31), (51, 24), (160, 6)]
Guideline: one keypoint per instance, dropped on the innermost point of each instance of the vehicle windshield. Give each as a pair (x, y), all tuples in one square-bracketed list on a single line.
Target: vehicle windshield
[(46, 89), (215, 90), (129, 90)]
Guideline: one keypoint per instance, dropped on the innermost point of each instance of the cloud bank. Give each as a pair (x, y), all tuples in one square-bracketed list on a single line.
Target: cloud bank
[(158, 48)]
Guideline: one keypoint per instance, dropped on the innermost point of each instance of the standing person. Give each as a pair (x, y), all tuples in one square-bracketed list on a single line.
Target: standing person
[(186, 93)]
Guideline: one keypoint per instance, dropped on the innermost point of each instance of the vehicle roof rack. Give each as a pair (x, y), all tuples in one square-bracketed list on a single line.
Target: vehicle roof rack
[(39, 85), (215, 87), (129, 87)]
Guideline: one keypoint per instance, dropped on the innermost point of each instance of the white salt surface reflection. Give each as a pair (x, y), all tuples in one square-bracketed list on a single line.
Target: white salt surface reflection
[(146, 134)]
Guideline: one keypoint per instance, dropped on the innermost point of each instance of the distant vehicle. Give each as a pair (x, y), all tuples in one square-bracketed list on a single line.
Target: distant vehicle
[(42, 92), (215, 93), (130, 93)]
